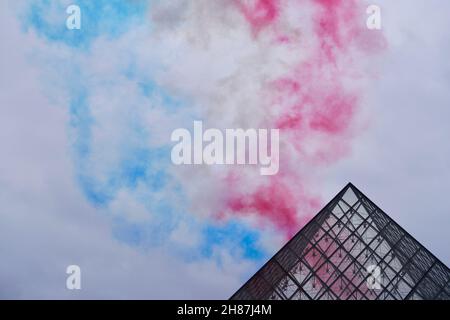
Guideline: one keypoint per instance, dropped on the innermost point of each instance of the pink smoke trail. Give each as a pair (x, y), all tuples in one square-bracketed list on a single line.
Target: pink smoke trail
[(312, 101)]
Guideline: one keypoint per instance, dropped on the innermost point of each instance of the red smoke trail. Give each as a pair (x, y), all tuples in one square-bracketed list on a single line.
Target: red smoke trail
[(313, 102), (259, 13), (276, 201)]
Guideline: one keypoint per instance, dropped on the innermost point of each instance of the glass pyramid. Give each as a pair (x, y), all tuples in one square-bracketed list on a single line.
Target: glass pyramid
[(351, 250)]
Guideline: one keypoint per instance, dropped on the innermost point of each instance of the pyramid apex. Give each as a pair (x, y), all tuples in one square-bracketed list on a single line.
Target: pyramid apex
[(350, 185)]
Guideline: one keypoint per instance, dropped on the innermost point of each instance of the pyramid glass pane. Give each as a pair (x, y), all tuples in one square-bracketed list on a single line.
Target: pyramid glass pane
[(351, 250)]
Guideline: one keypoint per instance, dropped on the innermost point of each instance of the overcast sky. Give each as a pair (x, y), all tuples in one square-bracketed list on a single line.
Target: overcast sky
[(52, 214), (403, 161)]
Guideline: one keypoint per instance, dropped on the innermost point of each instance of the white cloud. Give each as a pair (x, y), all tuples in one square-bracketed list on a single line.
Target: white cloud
[(47, 223)]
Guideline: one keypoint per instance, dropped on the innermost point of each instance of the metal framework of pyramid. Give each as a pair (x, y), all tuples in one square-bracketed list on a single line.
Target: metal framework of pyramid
[(350, 250)]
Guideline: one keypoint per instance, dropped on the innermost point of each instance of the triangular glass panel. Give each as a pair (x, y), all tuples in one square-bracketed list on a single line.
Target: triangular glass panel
[(351, 250)]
